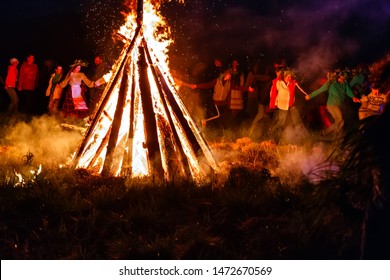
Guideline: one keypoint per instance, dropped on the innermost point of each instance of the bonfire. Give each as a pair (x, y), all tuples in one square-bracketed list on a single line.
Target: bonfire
[(142, 127)]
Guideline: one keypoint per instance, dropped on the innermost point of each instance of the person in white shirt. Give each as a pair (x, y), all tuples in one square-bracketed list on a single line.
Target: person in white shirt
[(285, 100), (373, 103), (75, 105)]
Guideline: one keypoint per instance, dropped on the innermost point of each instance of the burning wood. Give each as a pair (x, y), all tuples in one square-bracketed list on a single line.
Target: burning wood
[(74, 127), (142, 127)]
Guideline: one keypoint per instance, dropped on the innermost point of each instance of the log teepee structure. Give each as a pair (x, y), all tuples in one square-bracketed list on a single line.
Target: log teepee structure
[(142, 127)]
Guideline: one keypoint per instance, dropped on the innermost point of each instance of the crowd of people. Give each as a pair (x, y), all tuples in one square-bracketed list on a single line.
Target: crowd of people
[(343, 99), (34, 90), (261, 99)]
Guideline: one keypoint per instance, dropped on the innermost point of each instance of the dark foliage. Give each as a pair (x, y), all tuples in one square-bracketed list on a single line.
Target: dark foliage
[(253, 216)]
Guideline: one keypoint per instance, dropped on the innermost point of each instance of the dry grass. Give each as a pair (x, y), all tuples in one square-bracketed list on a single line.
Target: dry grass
[(262, 205)]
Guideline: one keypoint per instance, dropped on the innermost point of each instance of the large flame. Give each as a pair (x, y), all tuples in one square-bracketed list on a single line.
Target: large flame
[(142, 126)]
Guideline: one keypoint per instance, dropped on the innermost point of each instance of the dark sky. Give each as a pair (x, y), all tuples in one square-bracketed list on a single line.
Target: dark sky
[(309, 34), (35, 8)]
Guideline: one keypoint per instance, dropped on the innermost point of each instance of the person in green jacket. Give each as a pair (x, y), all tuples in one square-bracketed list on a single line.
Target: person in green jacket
[(338, 90)]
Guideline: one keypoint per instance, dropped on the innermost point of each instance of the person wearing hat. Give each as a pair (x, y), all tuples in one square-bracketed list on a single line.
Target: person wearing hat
[(10, 86), (75, 105), (338, 90)]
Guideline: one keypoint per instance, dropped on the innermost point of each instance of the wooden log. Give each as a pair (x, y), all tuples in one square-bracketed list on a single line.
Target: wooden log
[(152, 145), (181, 157), (117, 120), (106, 96)]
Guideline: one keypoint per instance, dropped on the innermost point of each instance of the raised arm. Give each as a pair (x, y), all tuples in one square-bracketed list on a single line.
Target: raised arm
[(304, 92), (87, 81), (322, 89)]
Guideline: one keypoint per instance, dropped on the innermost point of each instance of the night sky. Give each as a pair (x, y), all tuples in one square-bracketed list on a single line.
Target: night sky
[(309, 34)]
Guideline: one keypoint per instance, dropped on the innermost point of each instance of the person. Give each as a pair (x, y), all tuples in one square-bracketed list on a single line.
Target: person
[(273, 91), (237, 88), (54, 90), (215, 70), (27, 84), (101, 68), (210, 92), (317, 116), (285, 101), (74, 103), (359, 82), (294, 112), (46, 69), (261, 83), (10, 86), (338, 89), (373, 103)]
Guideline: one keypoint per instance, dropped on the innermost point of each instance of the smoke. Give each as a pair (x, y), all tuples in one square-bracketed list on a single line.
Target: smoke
[(290, 163), (303, 163), (311, 35), (40, 142)]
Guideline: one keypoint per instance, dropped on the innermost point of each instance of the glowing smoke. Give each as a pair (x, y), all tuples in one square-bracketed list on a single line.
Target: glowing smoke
[(312, 35), (48, 143)]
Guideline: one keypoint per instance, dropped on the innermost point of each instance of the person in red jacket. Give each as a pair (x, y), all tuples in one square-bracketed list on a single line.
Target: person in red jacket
[(274, 92), (28, 82), (10, 85), (284, 90)]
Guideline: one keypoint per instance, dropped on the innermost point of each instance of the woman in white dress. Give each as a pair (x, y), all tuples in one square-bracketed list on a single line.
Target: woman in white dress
[(75, 103)]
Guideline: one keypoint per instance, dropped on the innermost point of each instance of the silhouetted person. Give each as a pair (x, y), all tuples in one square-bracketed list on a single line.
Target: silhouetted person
[(261, 82), (207, 85), (101, 68), (54, 90)]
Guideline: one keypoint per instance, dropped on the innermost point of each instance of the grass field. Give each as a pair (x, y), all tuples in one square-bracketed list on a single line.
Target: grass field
[(267, 201)]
